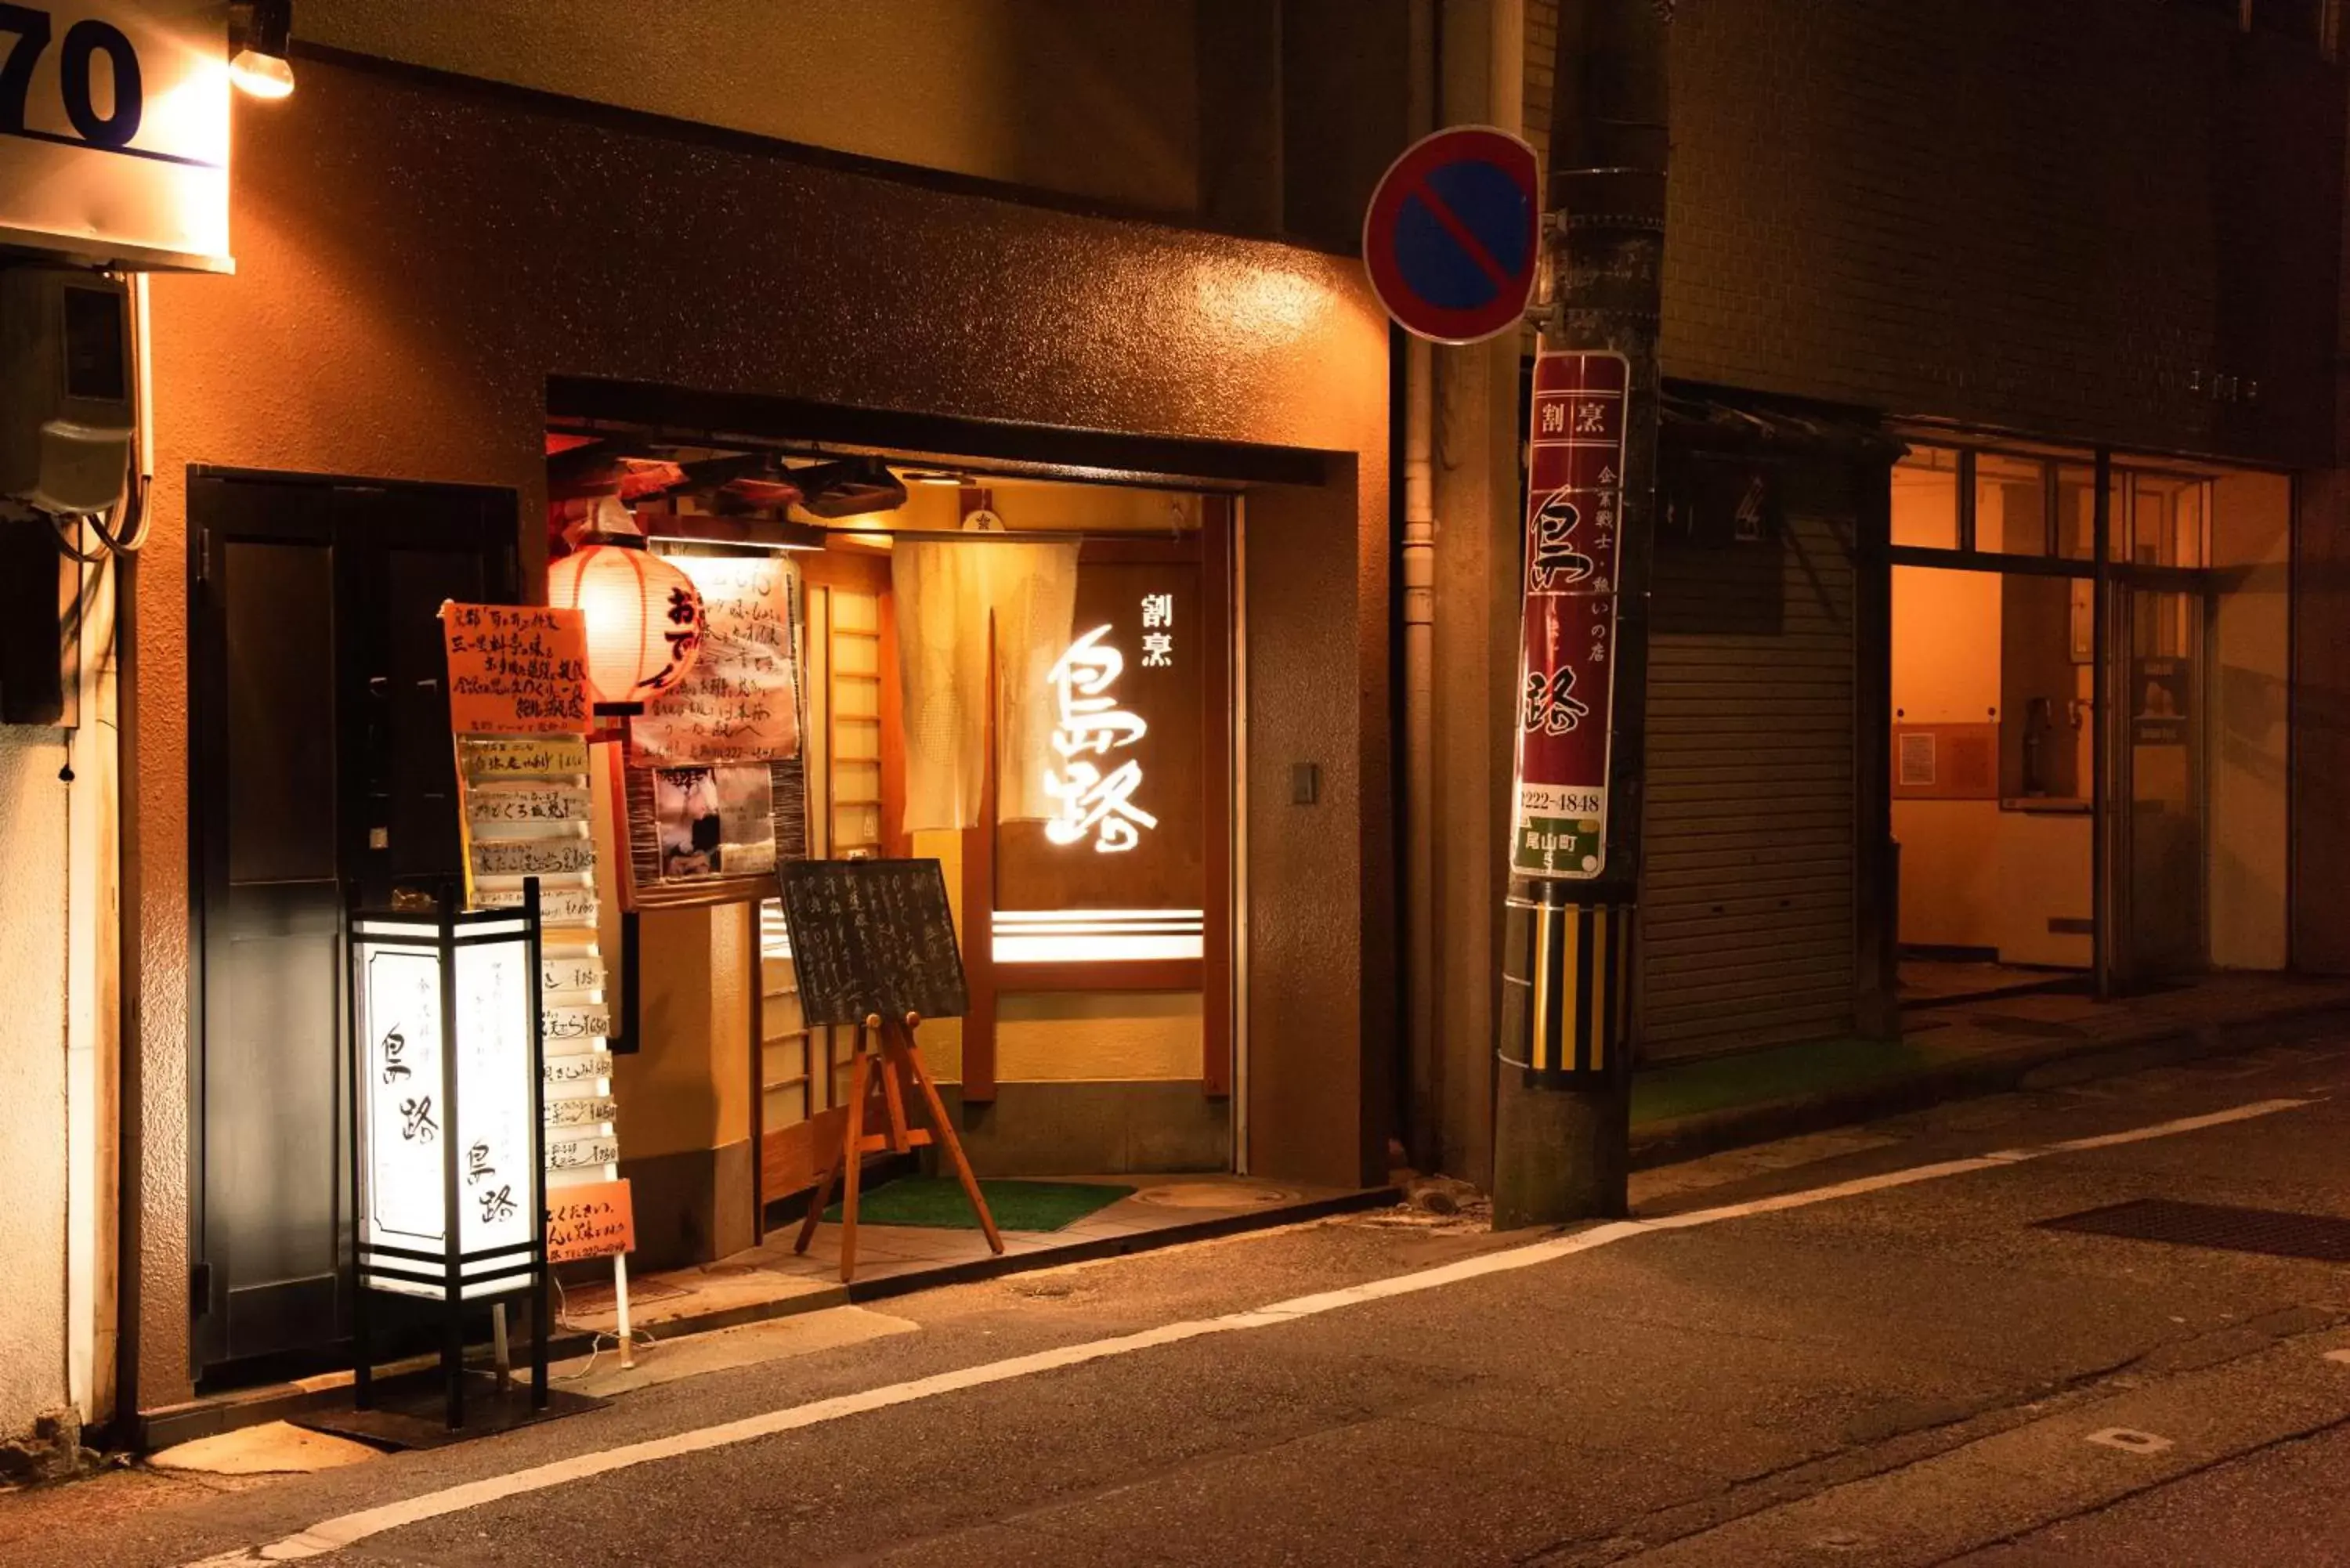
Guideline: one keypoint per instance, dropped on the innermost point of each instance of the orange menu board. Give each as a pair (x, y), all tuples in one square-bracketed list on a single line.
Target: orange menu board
[(592, 1219), (516, 669)]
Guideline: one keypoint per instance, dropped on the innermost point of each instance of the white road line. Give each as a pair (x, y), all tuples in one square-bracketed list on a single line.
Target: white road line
[(333, 1534)]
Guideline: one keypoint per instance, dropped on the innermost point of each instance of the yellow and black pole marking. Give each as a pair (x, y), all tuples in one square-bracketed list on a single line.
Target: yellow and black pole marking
[(1578, 980)]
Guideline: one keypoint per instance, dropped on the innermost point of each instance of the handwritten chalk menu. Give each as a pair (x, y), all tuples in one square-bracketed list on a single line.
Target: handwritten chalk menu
[(516, 669), (739, 704), (590, 1220), (873, 937)]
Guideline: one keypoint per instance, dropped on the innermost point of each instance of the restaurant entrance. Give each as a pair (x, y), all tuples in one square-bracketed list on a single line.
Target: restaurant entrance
[(1026, 677)]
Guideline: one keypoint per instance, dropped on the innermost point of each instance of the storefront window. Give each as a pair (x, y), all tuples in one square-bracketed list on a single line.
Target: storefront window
[(2011, 505), (2168, 520), (2077, 511), (1926, 499)]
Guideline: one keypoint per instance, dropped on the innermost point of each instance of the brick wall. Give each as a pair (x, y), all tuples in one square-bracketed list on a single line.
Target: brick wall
[(2051, 218)]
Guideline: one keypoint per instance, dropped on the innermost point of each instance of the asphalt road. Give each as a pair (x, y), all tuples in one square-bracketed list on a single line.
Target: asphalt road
[(1855, 1348)]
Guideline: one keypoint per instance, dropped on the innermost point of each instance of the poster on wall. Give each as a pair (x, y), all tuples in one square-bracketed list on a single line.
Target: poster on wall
[(1575, 497), (2158, 701), (516, 669), (739, 704), (712, 789), (714, 822)]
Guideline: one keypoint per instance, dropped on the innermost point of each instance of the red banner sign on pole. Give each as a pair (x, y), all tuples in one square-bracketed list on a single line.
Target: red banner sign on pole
[(1567, 662)]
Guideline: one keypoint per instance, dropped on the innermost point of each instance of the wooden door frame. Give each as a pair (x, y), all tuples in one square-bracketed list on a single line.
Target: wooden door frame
[(1210, 549), (207, 772)]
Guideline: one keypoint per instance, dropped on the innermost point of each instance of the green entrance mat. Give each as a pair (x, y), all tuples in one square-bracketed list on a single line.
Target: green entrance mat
[(938, 1202)]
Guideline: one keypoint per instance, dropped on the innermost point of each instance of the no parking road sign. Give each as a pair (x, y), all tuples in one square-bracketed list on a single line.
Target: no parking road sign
[(1453, 234)]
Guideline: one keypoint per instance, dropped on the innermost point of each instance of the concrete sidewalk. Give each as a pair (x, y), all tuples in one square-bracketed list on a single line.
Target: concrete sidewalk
[(1969, 1048)]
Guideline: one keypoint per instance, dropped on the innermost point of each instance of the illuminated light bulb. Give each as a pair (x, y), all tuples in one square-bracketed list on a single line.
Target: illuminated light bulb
[(262, 76)]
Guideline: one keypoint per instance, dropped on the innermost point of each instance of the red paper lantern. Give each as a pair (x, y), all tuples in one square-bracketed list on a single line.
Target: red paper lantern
[(644, 620)]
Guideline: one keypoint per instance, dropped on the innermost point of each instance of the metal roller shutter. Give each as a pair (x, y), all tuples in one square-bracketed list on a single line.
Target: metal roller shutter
[(1747, 897)]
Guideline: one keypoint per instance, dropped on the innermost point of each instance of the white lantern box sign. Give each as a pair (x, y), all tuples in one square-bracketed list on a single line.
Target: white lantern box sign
[(448, 1104)]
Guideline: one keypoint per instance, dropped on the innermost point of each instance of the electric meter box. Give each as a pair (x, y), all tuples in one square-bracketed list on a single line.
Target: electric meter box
[(67, 405)]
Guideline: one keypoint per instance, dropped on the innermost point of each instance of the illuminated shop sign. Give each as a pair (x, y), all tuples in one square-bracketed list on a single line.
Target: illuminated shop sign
[(114, 130), (1118, 871), (432, 1080), (1097, 800), (1095, 804)]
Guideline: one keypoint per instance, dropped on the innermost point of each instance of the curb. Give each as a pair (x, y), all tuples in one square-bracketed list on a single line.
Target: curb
[(2027, 1067), (179, 1424)]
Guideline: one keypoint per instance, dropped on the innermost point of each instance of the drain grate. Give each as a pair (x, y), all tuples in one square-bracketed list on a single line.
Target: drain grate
[(2323, 1238), (2027, 1028)]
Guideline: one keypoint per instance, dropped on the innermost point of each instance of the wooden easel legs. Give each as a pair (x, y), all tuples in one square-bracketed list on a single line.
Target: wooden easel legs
[(898, 1040), (899, 1057)]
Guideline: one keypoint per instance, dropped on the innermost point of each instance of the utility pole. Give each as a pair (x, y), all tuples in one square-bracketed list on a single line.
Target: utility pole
[(1563, 1107)]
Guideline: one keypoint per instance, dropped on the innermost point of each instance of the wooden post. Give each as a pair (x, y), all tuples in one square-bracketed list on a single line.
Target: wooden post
[(913, 1057), (852, 1154)]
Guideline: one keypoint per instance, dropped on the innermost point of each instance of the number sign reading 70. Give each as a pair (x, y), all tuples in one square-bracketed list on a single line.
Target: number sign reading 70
[(84, 41)]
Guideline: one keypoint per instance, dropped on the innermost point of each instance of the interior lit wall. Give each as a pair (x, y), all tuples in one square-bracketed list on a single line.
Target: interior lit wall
[(2251, 539), (381, 324), (1099, 1036), (1067, 95), (33, 832), (1973, 875)]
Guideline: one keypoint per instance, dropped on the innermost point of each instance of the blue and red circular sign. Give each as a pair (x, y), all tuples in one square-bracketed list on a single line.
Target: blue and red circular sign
[(1453, 238)]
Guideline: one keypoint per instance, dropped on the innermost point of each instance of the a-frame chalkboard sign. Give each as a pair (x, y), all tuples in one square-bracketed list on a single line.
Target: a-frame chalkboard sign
[(872, 938), (873, 947)]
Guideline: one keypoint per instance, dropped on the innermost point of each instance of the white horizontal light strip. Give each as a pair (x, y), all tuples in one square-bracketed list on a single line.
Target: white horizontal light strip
[(1067, 948), (1025, 918), (1099, 936), (1109, 928)]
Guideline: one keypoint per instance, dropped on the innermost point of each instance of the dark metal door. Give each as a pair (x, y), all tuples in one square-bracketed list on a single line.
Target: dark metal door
[(322, 759)]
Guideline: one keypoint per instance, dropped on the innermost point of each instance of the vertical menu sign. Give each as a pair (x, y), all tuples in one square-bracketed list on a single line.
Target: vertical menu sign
[(1574, 495), (518, 701)]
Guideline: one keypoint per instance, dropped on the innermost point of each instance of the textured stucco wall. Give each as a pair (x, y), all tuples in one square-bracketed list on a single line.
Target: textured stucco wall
[(1065, 95), (414, 261), (2134, 192), (33, 1070)]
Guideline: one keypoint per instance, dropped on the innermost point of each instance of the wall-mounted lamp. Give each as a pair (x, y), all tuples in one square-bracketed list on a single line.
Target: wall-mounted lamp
[(261, 34)]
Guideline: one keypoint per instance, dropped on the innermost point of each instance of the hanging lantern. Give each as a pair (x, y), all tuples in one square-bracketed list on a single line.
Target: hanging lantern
[(644, 618)]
